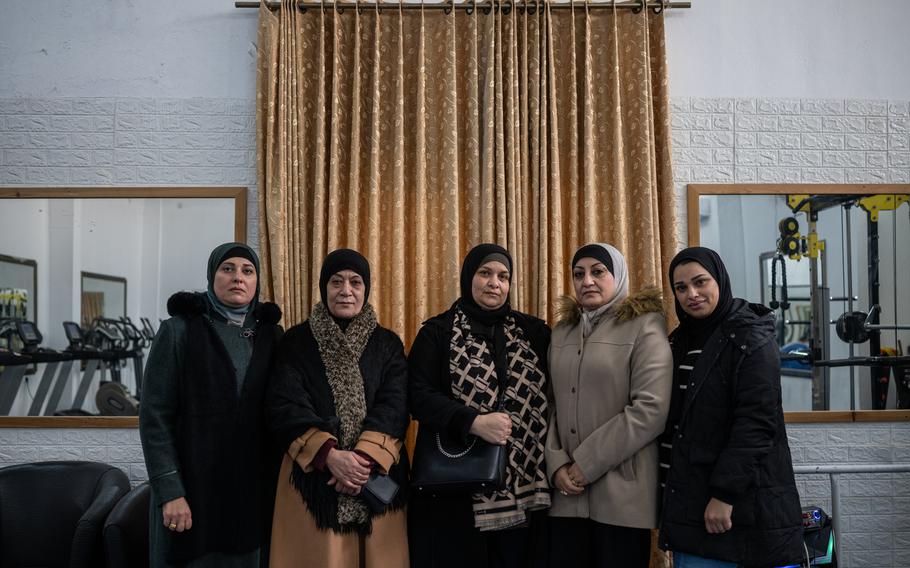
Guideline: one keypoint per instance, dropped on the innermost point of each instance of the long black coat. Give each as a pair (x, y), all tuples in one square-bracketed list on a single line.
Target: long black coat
[(732, 445)]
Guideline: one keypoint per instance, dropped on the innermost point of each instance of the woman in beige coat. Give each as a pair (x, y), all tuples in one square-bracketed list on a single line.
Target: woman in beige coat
[(612, 371)]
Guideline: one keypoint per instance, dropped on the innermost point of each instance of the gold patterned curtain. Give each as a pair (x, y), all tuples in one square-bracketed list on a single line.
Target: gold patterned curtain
[(412, 135)]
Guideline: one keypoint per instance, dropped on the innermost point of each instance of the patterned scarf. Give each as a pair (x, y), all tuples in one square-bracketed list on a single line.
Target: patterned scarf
[(340, 352), (475, 383)]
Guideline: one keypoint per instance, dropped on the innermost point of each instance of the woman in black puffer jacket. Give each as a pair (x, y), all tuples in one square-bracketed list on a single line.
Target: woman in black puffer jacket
[(729, 494)]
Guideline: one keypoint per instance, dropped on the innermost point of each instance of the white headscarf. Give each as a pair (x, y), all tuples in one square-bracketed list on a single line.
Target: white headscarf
[(590, 318)]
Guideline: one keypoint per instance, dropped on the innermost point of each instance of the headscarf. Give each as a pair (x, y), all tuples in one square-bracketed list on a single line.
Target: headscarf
[(476, 258), (616, 264), (710, 260), (220, 254), (335, 262)]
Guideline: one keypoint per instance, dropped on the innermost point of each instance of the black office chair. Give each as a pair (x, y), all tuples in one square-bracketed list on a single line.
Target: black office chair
[(126, 531), (52, 513)]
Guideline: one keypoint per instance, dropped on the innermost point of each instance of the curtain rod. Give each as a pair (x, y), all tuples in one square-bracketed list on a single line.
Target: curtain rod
[(635, 5)]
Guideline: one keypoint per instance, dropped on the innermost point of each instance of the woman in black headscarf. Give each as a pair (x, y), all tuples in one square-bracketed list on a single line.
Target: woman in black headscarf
[(464, 363), (729, 495), (201, 421), (338, 407)]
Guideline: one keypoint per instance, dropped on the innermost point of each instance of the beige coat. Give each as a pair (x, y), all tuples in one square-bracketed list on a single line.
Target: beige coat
[(612, 397)]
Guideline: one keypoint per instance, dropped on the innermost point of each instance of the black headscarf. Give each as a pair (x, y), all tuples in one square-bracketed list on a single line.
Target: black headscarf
[(595, 251), (335, 262), (710, 260), (220, 254), (477, 256)]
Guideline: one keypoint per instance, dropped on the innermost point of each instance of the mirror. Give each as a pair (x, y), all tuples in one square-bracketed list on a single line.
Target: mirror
[(834, 263), (97, 255)]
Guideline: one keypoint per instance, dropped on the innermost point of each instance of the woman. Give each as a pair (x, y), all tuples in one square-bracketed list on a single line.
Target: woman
[(338, 406), (730, 498), (611, 368), (201, 421), (462, 365)]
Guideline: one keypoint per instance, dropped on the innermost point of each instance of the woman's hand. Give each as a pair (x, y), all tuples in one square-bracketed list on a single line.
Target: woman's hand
[(564, 483), (718, 516), (576, 476), (349, 471), (494, 428), (177, 515)]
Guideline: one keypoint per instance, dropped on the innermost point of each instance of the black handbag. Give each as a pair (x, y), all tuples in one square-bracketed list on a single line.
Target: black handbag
[(378, 492), (442, 465)]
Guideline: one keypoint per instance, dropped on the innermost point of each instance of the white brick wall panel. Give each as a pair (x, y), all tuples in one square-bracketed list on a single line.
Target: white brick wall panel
[(20, 454), (722, 122), (25, 157), (798, 454), (14, 106), (96, 453), (28, 123), (128, 453), (901, 540), (138, 473), (242, 107), (745, 140), (94, 106), (822, 106), (205, 106), (72, 123), (843, 124), (690, 122), (47, 175), (210, 176), (48, 140), (92, 176), (680, 139), (50, 106), (805, 158), (40, 437), (714, 139), (823, 175), (12, 175), (778, 140), (865, 142), (137, 122), (69, 157), (137, 106), (814, 141), (124, 157), (756, 157), (778, 106), (872, 487), (901, 486), (899, 176), (814, 489), (877, 125), (865, 176), (92, 140), (711, 105), (898, 108), (855, 541), (677, 105), (901, 454), (746, 175), (682, 174), (800, 123), (169, 106), (846, 159), (8, 437), (899, 159), (126, 174), (876, 159), (866, 107), (60, 453), (247, 176), (245, 140), (848, 437), (895, 125), (689, 156), (856, 506), (825, 454), (721, 156), (216, 141), (103, 123), (82, 436), (745, 106), (900, 435), (159, 175), (756, 123), (13, 139), (779, 175), (870, 559), (103, 157), (899, 142)]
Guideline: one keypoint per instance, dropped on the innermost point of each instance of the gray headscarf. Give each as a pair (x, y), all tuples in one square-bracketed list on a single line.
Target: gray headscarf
[(590, 318)]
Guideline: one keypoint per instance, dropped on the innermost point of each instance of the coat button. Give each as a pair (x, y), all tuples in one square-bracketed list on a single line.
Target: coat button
[(572, 430), (579, 351), (680, 436), (732, 335), (573, 389)]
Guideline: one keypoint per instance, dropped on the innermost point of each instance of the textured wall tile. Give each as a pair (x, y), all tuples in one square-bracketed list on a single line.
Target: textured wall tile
[(823, 175), (800, 123), (805, 158), (835, 159), (779, 175), (843, 124), (677, 105), (716, 139), (866, 107), (823, 141), (866, 142), (756, 123), (898, 108), (711, 105), (778, 106), (822, 106)]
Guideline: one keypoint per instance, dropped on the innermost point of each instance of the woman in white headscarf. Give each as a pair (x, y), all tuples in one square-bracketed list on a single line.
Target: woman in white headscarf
[(612, 371)]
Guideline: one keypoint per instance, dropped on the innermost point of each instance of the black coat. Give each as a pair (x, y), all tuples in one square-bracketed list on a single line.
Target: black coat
[(732, 445), (441, 529), (300, 398)]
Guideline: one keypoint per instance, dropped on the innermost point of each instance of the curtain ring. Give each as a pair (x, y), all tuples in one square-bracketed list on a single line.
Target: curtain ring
[(505, 7), (487, 9), (661, 8), (448, 7), (470, 9), (642, 4), (338, 7)]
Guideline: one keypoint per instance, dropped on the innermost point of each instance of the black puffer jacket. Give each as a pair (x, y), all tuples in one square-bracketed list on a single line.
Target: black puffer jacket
[(732, 445)]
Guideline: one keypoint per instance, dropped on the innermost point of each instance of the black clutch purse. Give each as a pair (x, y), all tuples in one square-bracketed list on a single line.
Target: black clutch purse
[(442, 465), (378, 492)]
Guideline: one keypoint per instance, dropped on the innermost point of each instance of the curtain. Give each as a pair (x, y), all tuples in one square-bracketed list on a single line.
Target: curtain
[(412, 135)]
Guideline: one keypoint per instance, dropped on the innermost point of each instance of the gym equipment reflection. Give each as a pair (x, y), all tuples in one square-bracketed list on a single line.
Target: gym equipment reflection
[(833, 267)]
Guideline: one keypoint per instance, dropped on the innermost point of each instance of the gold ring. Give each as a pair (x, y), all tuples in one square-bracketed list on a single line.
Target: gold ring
[(564, 493), (172, 526)]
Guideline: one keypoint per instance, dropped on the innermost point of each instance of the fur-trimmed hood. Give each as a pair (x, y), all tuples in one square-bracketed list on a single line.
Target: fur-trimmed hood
[(647, 300), (193, 303)]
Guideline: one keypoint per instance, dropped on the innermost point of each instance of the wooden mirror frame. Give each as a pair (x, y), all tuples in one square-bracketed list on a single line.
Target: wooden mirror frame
[(696, 190), (238, 194)]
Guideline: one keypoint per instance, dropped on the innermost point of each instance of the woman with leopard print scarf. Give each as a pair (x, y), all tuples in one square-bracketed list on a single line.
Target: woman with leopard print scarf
[(463, 364), (338, 406)]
